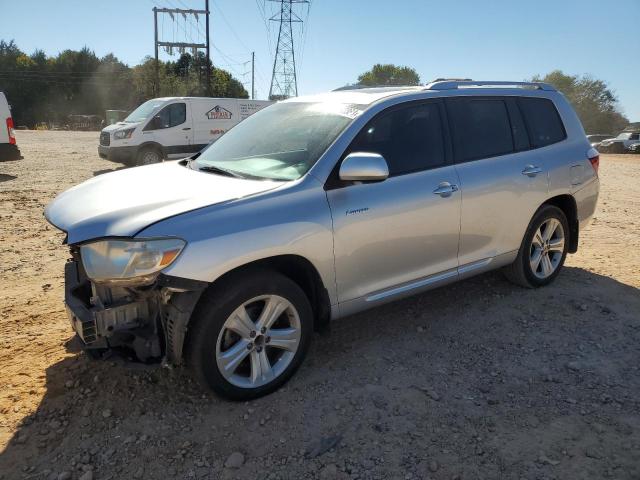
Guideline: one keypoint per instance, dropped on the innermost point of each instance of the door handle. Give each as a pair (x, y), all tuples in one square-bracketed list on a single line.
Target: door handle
[(187, 128), (445, 189), (531, 170)]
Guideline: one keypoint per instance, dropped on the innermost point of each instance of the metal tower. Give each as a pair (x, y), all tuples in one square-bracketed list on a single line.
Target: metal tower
[(284, 83)]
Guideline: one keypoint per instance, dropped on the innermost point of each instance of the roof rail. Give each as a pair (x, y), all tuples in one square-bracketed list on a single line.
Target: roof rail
[(358, 86), (456, 84)]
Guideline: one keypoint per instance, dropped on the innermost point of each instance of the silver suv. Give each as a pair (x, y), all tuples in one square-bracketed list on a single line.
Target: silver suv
[(319, 207)]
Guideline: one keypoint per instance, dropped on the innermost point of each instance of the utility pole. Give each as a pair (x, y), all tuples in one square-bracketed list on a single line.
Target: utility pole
[(181, 46), (253, 75), (208, 60), (284, 83), (156, 85)]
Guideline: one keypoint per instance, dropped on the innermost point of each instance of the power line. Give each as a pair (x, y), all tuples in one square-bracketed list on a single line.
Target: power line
[(224, 19), (80, 75), (306, 26), (187, 15)]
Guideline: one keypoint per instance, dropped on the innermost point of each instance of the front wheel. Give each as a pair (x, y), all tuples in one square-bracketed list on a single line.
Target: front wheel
[(543, 250), (250, 334), (148, 156)]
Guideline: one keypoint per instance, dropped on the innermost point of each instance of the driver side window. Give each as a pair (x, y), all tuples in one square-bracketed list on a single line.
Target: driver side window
[(410, 138), (170, 116)]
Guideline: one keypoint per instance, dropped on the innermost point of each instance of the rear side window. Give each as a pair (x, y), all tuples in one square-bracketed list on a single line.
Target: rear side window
[(409, 138), (481, 128), (171, 115), (543, 121)]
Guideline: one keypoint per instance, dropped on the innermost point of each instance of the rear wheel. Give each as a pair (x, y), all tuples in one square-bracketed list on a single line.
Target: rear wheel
[(148, 156), (543, 250), (250, 334)]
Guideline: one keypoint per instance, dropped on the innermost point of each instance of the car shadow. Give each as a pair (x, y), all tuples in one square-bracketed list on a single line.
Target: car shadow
[(6, 178), (480, 358)]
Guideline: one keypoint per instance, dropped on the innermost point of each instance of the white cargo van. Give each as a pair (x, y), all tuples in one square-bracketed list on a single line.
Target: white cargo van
[(8, 148), (173, 127)]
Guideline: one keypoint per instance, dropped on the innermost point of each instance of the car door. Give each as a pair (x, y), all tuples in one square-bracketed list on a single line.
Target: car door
[(171, 129), (394, 236), (503, 180)]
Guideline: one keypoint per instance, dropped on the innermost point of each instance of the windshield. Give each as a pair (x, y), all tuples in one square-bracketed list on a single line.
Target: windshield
[(624, 136), (280, 142), (143, 111)]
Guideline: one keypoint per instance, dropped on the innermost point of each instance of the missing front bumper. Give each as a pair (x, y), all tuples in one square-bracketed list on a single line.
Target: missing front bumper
[(151, 321)]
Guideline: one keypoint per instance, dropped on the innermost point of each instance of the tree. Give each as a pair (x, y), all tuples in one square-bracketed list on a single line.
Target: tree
[(389, 74), (49, 89), (592, 99)]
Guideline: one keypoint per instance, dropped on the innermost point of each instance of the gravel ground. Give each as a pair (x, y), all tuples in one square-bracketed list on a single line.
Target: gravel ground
[(476, 380)]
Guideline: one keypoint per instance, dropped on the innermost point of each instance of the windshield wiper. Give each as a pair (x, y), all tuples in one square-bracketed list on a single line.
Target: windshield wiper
[(219, 171)]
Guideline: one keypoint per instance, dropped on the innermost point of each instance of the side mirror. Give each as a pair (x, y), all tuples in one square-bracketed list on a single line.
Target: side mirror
[(364, 167)]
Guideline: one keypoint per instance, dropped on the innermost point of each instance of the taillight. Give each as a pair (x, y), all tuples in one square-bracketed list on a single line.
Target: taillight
[(594, 157), (12, 135)]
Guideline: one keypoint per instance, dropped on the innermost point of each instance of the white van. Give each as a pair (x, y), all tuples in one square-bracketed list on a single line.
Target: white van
[(173, 127), (8, 148)]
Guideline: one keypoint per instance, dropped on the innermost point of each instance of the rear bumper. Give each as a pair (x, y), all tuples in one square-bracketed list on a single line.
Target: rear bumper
[(586, 201), (9, 151), (118, 154)]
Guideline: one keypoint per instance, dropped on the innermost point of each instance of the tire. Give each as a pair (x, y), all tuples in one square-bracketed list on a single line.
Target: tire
[(521, 271), (148, 156), (219, 332)]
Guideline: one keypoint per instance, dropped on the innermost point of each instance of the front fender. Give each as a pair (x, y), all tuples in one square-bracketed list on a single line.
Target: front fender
[(295, 221)]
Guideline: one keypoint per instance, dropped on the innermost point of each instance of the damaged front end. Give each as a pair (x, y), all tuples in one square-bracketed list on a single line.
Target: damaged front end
[(150, 318)]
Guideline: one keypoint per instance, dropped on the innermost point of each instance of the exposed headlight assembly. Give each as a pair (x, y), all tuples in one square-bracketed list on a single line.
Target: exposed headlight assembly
[(129, 261), (123, 134)]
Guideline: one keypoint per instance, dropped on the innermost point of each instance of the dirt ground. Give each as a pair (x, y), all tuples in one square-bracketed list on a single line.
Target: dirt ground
[(481, 379)]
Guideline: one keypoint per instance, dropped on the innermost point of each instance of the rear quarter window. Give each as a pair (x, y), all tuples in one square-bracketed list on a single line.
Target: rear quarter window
[(543, 121)]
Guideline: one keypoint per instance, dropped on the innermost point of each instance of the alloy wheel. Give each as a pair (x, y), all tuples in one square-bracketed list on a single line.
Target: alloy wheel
[(258, 341), (547, 248)]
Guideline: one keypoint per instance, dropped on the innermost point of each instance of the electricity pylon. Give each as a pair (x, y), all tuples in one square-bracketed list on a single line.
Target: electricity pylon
[(284, 83)]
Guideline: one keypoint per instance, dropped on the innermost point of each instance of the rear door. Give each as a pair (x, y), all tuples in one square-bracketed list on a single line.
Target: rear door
[(502, 179), (393, 236)]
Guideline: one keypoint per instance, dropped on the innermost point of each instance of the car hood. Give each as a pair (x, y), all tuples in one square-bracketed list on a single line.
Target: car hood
[(122, 203), (120, 125)]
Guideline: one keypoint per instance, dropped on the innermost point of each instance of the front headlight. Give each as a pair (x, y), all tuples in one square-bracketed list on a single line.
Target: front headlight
[(123, 134), (129, 260)]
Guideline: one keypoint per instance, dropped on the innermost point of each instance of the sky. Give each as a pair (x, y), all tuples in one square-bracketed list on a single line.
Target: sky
[(495, 40)]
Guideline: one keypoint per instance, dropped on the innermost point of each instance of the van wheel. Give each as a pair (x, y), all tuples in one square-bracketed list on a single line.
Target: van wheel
[(250, 334), (543, 250), (148, 156)]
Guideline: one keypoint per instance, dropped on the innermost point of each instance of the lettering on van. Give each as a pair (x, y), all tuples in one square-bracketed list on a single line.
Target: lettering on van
[(218, 113)]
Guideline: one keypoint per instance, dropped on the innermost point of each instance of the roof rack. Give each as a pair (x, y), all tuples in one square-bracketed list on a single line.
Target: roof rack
[(358, 86), (456, 84)]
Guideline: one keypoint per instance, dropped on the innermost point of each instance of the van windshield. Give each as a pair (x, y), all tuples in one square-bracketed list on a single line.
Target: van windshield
[(143, 112), (280, 142)]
